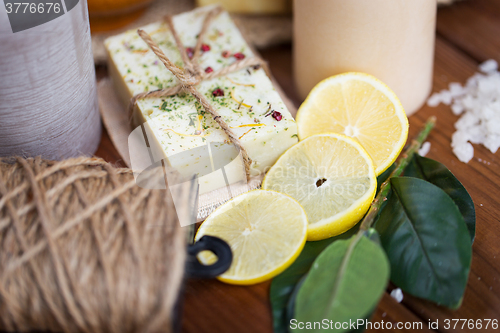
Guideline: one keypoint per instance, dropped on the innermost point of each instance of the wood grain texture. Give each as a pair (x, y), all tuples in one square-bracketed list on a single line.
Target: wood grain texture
[(468, 33), (473, 26)]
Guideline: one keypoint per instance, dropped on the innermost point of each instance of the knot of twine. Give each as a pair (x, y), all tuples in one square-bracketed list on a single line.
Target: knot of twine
[(193, 74), (84, 249)]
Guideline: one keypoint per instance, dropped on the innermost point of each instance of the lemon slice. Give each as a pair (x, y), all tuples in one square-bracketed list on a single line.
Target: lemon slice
[(362, 107), (331, 176), (266, 231)]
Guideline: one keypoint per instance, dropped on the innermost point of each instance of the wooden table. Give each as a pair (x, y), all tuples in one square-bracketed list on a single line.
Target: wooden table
[(467, 33)]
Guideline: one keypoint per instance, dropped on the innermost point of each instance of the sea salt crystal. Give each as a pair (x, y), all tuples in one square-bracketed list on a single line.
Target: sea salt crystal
[(434, 100), (457, 108), (475, 134), (464, 152), (426, 147), (397, 294), (492, 142), (478, 103), (466, 121), (446, 97), (456, 89), (488, 66)]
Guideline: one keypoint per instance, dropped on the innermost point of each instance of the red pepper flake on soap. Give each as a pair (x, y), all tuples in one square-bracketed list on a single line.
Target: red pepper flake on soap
[(190, 52), (209, 69), (226, 54), (205, 47), (218, 92), (239, 56), (276, 115)]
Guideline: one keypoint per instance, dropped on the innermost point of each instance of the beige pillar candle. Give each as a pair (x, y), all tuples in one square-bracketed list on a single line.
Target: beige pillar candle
[(390, 39)]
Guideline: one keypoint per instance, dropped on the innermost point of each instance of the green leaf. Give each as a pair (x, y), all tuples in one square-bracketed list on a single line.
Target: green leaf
[(437, 174), (344, 283), (373, 235), (426, 240), (290, 307), (283, 285)]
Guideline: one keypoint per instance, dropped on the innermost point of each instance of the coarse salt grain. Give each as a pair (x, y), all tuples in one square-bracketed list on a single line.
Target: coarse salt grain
[(478, 103), (426, 147), (456, 89), (397, 294), (446, 97), (434, 100), (488, 66), (464, 152)]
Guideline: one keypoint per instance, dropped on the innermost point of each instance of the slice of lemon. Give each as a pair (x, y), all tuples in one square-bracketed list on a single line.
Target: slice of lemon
[(362, 107), (266, 231), (331, 176)]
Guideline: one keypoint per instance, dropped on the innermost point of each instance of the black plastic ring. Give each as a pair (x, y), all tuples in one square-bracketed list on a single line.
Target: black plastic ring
[(194, 269)]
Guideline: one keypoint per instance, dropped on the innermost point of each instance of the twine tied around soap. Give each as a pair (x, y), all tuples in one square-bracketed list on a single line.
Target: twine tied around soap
[(193, 74)]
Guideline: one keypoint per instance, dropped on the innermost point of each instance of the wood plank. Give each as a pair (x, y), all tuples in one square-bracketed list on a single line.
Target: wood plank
[(212, 306), (388, 310), (473, 26)]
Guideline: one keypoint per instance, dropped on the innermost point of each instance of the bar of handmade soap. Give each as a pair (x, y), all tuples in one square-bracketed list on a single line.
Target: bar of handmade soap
[(179, 123), (251, 6)]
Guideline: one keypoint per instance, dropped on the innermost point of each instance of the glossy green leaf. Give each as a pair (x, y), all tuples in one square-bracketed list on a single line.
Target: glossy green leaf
[(426, 240), (290, 307), (373, 235), (283, 285), (290, 310), (344, 283), (437, 174)]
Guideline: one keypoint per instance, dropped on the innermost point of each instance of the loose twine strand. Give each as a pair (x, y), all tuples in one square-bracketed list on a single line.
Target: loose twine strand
[(193, 74), (95, 254)]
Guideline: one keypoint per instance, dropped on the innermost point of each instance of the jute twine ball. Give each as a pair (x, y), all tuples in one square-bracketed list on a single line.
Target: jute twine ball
[(84, 249)]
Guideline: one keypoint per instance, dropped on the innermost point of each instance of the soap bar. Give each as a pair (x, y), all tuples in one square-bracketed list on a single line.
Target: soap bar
[(246, 100), (251, 6)]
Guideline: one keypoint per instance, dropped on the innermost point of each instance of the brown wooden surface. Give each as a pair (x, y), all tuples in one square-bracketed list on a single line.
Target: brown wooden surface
[(468, 32)]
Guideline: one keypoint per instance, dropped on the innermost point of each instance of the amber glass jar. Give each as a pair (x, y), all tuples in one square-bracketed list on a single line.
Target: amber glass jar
[(113, 14)]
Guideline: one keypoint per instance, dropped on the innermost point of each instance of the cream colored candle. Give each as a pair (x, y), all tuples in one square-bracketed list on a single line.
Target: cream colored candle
[(390, 39)]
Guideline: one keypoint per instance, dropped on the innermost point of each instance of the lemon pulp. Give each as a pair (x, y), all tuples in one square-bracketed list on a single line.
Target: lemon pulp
[(359, 106), (331, 176), (266, 231)]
